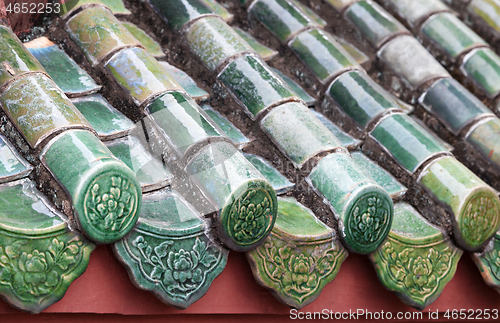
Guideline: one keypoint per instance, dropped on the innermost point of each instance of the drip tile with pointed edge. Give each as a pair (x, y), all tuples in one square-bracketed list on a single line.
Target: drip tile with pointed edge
[(379, 175), (416, 260), (170, 252), (108, 122), (73, 80), (33, 232), (186, 82), (239, 139), (279, 182), (265, 52), (300, 257)]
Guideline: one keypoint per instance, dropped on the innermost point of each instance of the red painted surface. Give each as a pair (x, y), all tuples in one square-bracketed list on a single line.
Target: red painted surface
[(106, 288)]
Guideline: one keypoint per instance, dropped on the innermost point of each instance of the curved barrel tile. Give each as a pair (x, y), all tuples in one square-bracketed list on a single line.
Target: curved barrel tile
[(105, 193), (40, 256), (417, 260), (169, 251), (474, 206), (363, 208)]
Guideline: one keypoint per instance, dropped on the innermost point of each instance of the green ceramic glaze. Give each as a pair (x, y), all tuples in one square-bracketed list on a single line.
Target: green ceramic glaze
[(149, 171), (364, 210), (213, 41), (488, 10), (70, 78), (452, 35), (182, 121), (105, 193), (299, 258), (279, 182), (98, 33), (416, 261), (39, 109), (453, 104), (254, 84), (360, 97), (187, 83), (179, 12), (140, 74), (346, 140), (407, 57), (12, 165), (41, 257), (488, 263), (246, 202), (473, 205), (421, 123), (352, 50), (408, 143), (282, 17), (379, 175), (376, 24), (239, 139), (169, 252), (301, 93), (108, 122), (341, 5), (147, 41), (116, 6), (219, 10), (309, 12), (413, 12), (485, 138), (321, 53), (298, 133), (15, 59), (265, 52), (483, 67)]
